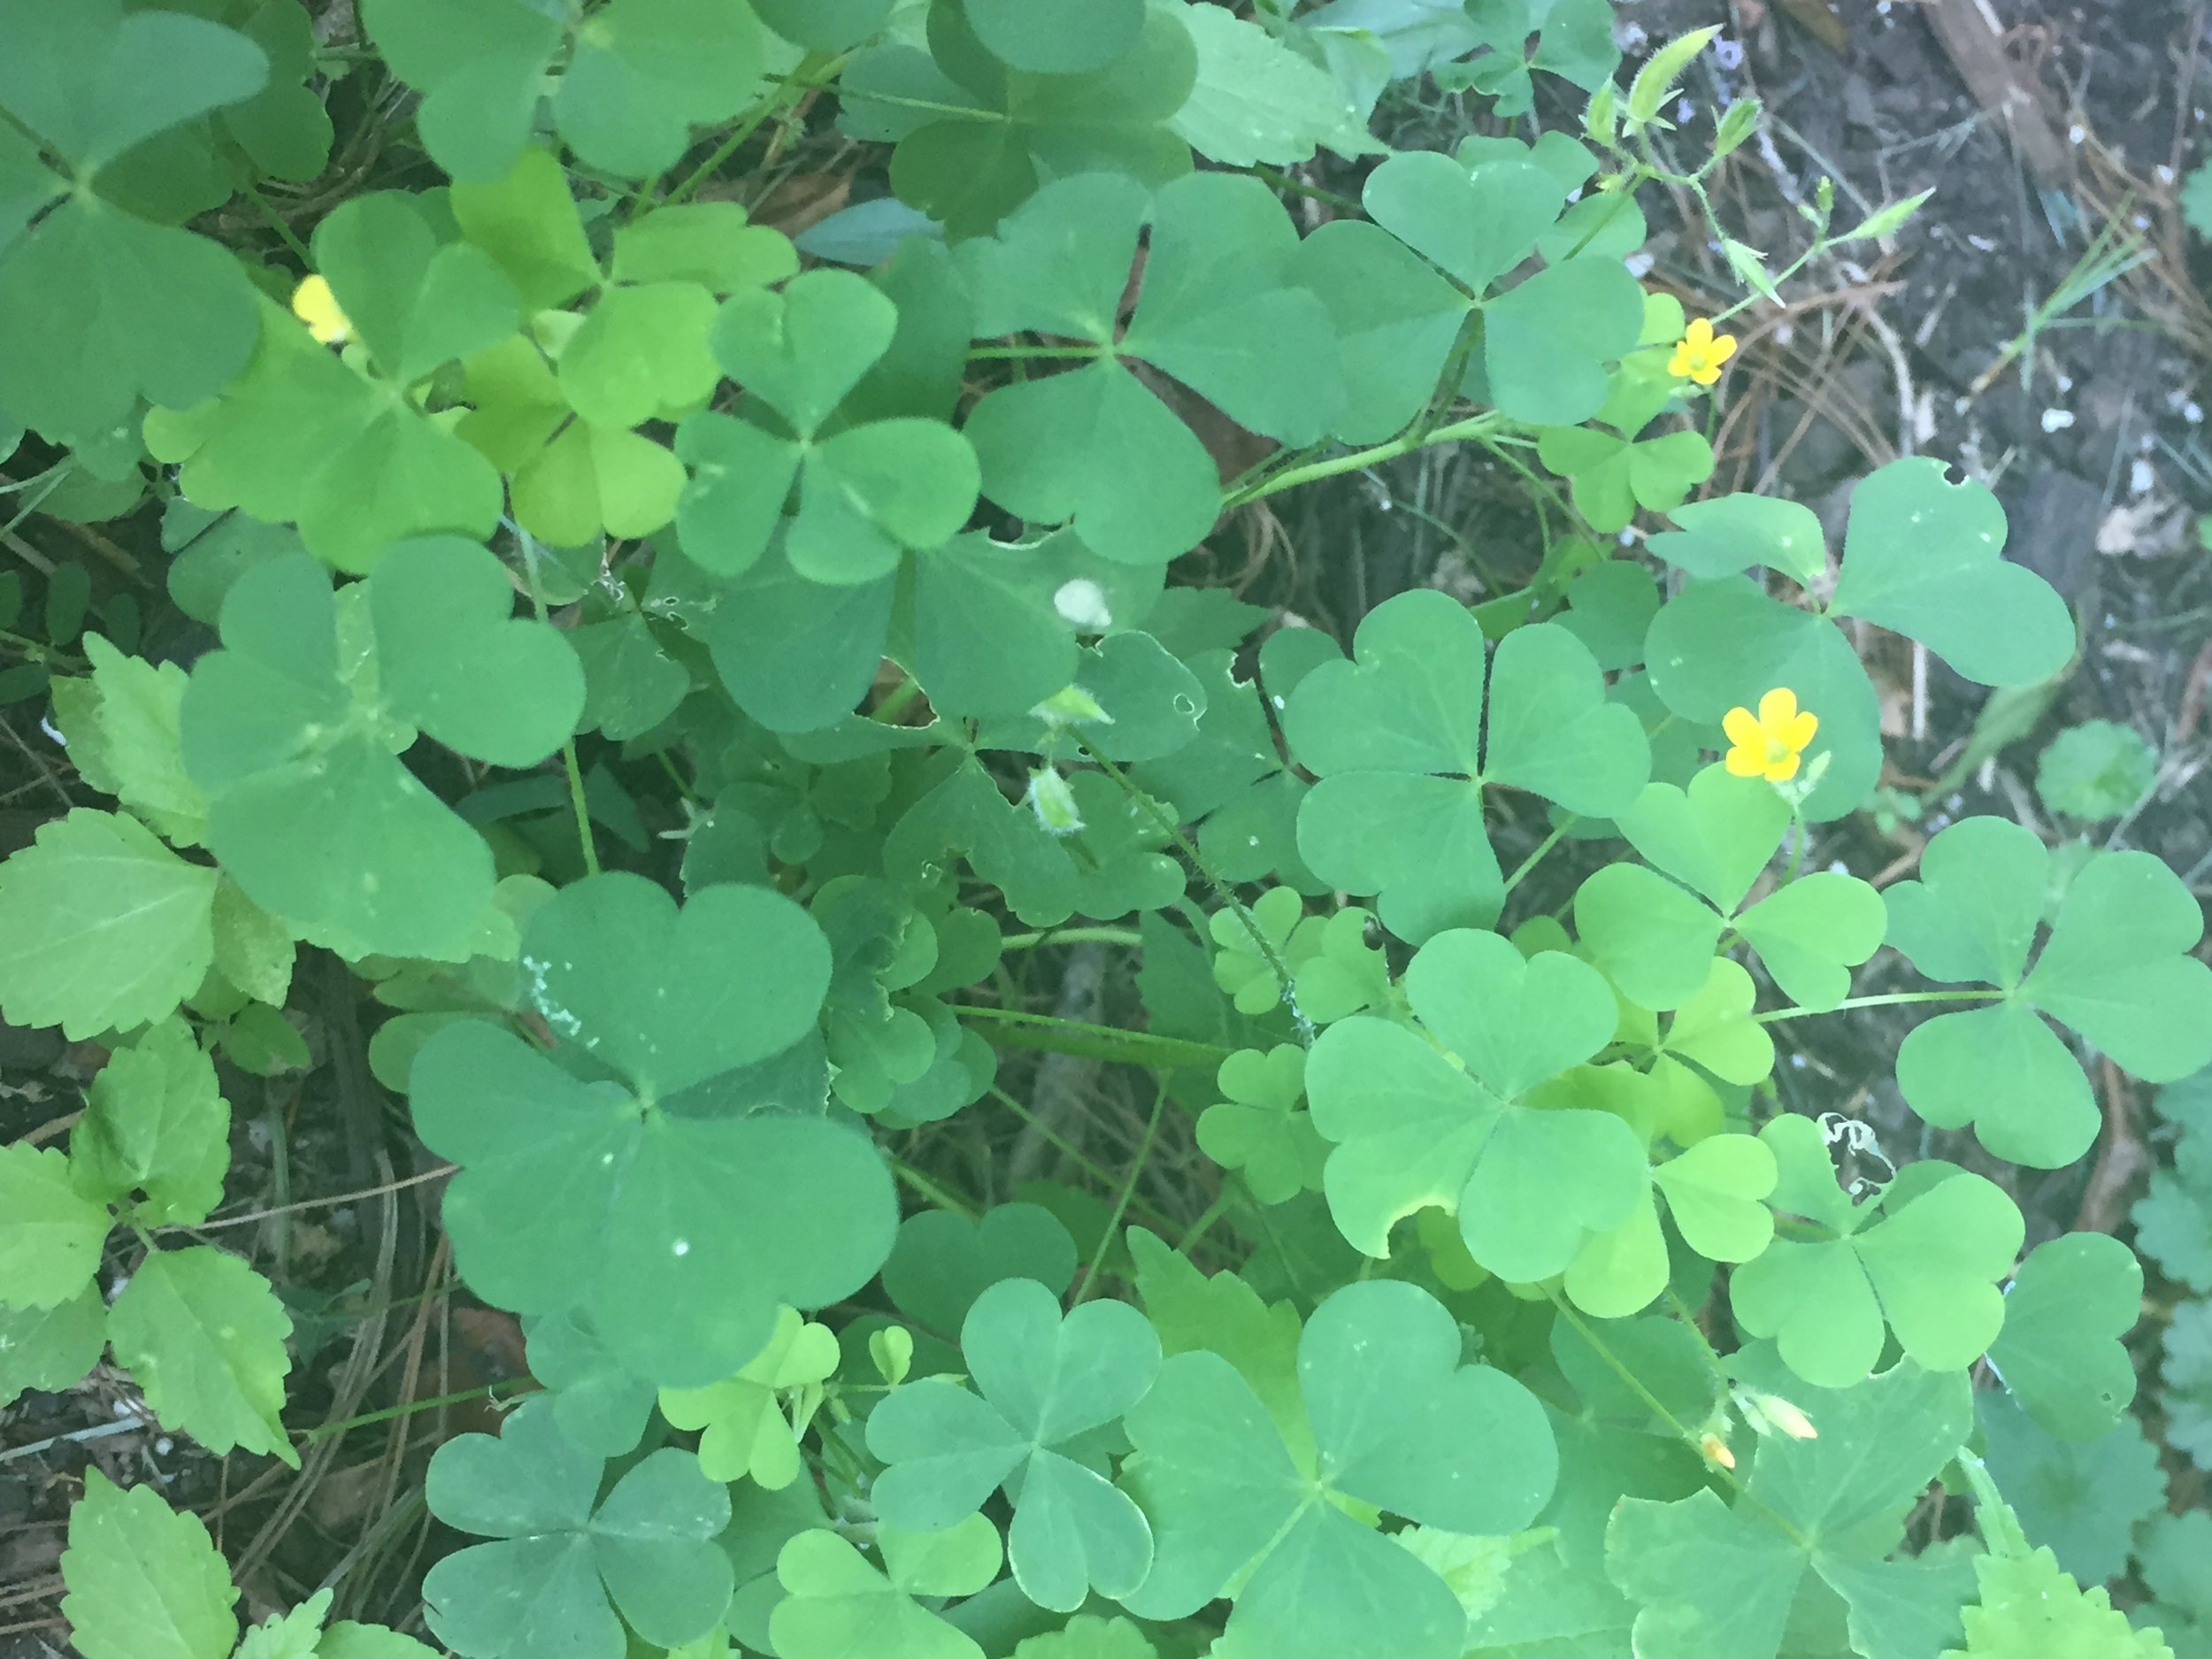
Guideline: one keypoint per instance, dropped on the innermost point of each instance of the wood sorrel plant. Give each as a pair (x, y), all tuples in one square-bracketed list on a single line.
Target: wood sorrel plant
[(1524, 1320)]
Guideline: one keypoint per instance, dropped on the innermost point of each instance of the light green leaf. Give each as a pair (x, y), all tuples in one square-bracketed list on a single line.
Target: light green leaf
[(1718, 1583), (2114, 967), (1924, 556), (415, 304), (50, 1235), (746, 1436), (1257, 100), (1724, 644), (1929, 1267), (155, 1121), (1715, 1191), (1728, 533), (1462, 1447), (2065, 1312), (1397, 735), (51, 1347), (2030, 1607), (1654, 941), (839, 1605), (1529, 1187), (706, 242), (135, 723), (144, 1580), (942, 1262), (1812, 932), (477, 65), (561, 1554), (527, 222), (102, 927), (1043, 1381), (680, 1233), (641, 354), (203, 1335)]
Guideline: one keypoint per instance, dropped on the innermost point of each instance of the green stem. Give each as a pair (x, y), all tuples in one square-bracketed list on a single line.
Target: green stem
[(1174, 831), (1021, 1030), (1543, 846), (799, 79), (1089, 1286), (930, 1189), (1360, 460), (529, 545), (1073, 936), (307, 1436), (277, 224), (1223, 1201), (1033, 351), (1892, 999), (1062, 1144)]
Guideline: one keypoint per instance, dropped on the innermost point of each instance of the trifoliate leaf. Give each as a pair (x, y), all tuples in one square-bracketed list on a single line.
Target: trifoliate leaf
[(840, 1606), (683, 1229), (746, 1436), (1464, 1448), (1042, 1381), (1219, 312), (1412, 1129), (51, 1347), (1724, 536), (203, 1334), (599, 1407), (1928, 1267), (1398, 739), (2080, 1499), (102, 307), (415, 304), (2065, 1312), (2186, 1371), (1258, 1130), (1652, 940), (1925, 556), (102, 927), (1718, 1582), (527, 220), (562, 1554), (155, 1121), (942, 1263), (975, 137), (50, 1233), (1811, 932), (2114, 966), (310, 810), (144, 1580)]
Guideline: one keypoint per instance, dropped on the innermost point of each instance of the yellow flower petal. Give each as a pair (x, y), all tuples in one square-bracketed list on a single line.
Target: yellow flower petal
[(1800, 732), (314, 304), (1724, 348), (1783, 769), (1699, 335), (1682, 365), (1777, 710), (1744, 761), (1743, 728), (1706, 374)]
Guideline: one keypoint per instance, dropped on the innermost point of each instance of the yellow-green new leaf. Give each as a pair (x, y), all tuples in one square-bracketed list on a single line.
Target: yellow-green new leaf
[(205, 1334), (50, 1234), (144, 1580)]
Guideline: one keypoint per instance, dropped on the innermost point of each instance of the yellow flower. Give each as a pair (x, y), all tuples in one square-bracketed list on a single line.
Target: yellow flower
[(1699, 354), (314, 304), (1768, 744)]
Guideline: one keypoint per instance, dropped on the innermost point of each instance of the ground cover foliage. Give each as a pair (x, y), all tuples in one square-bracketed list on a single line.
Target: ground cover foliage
[(1525, 1321)]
